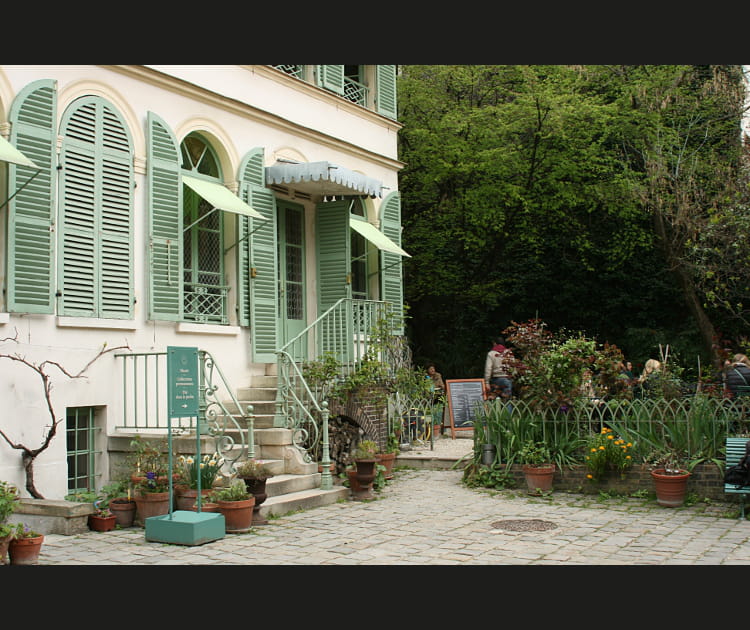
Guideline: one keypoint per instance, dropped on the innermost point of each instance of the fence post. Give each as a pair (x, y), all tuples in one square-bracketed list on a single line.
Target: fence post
[(326, 482)]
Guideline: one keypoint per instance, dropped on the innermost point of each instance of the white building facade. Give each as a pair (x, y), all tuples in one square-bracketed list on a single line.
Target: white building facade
[(223, 208)]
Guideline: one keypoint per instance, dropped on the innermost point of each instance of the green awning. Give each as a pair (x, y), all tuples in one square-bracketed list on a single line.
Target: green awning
[(221, 197), (376, 237), (9, 153)]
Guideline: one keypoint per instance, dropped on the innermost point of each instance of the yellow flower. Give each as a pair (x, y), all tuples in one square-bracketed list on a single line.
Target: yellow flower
[(610, 437), (627, 456), (593, 450), (601, 448), (589, 476)]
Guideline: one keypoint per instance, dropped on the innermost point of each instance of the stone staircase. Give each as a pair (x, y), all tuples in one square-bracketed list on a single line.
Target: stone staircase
[(295, 484)]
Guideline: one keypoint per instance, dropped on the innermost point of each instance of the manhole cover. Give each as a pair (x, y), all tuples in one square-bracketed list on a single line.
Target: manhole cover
[(524, 525)]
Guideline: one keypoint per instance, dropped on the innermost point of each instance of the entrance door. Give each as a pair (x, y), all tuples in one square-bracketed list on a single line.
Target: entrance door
[(291, 269)]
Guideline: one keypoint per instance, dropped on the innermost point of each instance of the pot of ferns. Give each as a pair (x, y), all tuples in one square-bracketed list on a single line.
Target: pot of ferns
[(365, 460), (538, 469), (236, 504), (254, 473)]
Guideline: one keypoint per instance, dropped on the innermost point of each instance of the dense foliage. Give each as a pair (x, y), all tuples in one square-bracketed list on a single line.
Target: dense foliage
[(599, 198)]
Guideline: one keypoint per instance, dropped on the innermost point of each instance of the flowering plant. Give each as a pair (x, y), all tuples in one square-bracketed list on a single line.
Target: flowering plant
[(605, 452), (101, 509), (207, 468), (24, 531), (153, 483)]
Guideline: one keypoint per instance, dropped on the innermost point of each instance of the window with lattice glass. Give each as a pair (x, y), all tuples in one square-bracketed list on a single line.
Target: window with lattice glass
[(205, 294), (359, 257)]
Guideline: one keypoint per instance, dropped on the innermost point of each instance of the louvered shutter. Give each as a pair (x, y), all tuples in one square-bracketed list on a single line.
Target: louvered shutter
[(96, 195), (385, 96), (31, 212), (391, 265), (259, 295), (165, 221), (333, 244), (331, 78)]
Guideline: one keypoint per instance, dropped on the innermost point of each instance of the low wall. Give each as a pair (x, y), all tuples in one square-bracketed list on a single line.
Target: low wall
[(49, 516)]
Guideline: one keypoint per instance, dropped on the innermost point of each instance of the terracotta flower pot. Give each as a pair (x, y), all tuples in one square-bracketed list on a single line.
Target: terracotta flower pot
[(387, 460), (25, 550), (206, 507), (670, 487), (123, 510), (238, 515), (151, 504), (185, 498), (539, 478), (102, 523)]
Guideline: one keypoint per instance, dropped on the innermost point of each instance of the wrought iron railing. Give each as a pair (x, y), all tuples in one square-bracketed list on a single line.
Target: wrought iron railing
[(206, 303), (343, 332), (220, 415), (355, 92), (695, 425)]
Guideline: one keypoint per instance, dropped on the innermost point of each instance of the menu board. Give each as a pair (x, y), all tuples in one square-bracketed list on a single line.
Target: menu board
[(464, 394)]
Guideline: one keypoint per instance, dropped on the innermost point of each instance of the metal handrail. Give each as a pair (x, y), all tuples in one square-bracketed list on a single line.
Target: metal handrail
[(144, 410), (343, 330)]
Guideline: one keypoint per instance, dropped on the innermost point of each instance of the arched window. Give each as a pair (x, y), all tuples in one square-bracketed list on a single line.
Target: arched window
[(205, 294)]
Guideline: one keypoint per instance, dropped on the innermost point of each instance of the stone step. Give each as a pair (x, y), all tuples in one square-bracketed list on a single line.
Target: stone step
[(286, 484), (302, 500), (256, 393)]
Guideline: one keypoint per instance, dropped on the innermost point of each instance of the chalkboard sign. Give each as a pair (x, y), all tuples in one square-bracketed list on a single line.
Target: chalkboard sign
[(463, 394)]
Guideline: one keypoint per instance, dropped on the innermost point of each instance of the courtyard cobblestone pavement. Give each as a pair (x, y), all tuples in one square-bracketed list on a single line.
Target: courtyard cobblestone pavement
[(427, 517)]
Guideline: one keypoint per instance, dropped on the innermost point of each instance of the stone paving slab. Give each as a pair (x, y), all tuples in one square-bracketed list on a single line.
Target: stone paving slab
[(427, 517)]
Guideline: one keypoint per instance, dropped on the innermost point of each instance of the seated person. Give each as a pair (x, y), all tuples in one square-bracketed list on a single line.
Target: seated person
[(738, 374)]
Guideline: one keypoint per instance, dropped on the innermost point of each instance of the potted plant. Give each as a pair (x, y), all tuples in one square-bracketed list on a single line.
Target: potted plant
[(120, 502), (670, 475), (102, 520), (388, 456), (255, 473), (191, 472), (8, 503), (236, 504), (537, 466), (365, 460), (25, 545), (606, 452), (149, 478)]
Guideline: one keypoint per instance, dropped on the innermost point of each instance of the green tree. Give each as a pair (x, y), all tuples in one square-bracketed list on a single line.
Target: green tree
[(516, 204)]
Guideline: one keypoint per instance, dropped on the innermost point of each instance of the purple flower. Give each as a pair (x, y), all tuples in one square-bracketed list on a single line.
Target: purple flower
[(150, 475)]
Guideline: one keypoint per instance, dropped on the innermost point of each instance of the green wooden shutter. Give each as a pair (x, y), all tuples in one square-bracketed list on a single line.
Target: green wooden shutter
[(31, 213), (96, 196), (259, 294), (333, 243), (385, 97), (331, 78), (391, 265), (116, 208), (165, 221)]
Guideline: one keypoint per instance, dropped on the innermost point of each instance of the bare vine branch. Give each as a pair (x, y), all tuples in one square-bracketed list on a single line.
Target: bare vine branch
[(29, 455)]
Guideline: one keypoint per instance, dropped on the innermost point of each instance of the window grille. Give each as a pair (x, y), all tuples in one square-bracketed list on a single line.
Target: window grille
[(81, 433)]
